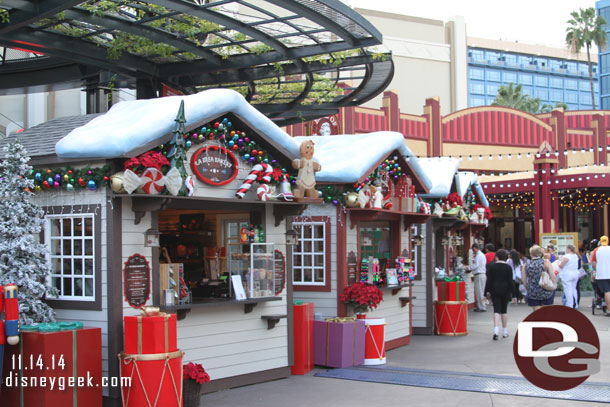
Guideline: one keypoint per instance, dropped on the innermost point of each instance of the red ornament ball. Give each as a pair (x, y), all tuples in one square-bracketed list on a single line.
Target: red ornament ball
[(46, 184), (235, 147), (69, 171), (81, 182), (106, 178), (216, 125), (254, 152)]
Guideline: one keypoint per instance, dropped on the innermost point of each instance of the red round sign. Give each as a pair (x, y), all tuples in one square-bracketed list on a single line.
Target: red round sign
[(214, 165)]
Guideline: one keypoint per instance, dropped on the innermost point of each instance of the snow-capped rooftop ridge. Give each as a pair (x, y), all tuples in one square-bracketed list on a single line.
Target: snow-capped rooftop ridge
[(132, 127)]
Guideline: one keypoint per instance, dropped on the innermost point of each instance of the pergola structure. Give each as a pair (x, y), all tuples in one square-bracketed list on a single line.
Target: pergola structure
[(285, 56)]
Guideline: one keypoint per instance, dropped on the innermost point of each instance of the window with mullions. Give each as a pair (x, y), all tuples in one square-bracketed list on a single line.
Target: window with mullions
[(309, 255), (71, 239), (376, 240)]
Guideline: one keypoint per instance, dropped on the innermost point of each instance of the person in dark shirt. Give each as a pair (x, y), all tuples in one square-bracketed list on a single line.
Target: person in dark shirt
[(499, 287), (490, 255)]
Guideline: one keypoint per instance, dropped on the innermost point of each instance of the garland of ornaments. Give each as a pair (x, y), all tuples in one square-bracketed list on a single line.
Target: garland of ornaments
[(237, 141), (70, 178)]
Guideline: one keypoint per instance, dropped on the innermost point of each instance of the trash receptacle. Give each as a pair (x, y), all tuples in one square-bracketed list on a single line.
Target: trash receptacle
[(303, 338)]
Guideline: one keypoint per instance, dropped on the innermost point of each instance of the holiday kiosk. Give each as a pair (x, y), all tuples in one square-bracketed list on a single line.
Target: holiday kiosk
[(179, 203), (458, 200), (362, 233)]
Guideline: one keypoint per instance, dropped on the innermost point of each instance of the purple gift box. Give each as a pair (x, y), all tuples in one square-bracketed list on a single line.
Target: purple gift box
[(339, 344)]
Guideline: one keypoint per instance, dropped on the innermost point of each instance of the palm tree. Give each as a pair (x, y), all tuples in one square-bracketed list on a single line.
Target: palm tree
[(586, 28), (511, 96)]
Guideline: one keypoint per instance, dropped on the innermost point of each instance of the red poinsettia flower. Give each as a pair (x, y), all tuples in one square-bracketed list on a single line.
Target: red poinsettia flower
[(362, 296), (454, 199), (195, 371)]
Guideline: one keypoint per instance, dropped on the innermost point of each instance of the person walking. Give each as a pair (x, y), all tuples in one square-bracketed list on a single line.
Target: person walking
[(490, 255), (537, 296), (568, 274), (500, 287), (477, 266), (600, 259), (514, 261)]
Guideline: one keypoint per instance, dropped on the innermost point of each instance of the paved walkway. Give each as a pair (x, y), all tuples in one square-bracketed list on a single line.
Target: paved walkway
[(476, 352)]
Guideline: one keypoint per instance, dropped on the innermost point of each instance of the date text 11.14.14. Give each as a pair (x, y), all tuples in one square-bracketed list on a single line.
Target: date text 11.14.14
[(37, 363)]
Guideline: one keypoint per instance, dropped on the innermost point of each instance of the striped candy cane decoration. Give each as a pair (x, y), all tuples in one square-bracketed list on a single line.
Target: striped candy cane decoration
[(253, 176)]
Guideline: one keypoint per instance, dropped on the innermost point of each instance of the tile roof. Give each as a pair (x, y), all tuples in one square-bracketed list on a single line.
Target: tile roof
[(40, 140)]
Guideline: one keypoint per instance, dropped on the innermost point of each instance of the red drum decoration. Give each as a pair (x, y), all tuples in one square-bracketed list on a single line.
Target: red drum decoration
[(451, 318), (374, 342), (451, 290), (150, 334), (156, 380)]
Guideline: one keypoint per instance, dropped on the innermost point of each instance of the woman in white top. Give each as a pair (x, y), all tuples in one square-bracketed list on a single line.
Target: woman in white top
[(517, 265), (568, 274)]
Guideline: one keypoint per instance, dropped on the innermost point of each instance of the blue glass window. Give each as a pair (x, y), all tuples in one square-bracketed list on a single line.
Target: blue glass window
[(510, 77), (555, 63), (606, 102), (493, 75), (571, 84), (526, 79), (542, 80), (572, 66), (605, 63), (556, 96), (595, 86), (556, 82), (492, 90), (477, 54), (477, 87), (477, 101), (527, 90), (584, 85), (493, 56), (477, 73), (522, 59), (585, 99), (572, 97), (510, 59), (542, 94), (605, 84), (542, 62)]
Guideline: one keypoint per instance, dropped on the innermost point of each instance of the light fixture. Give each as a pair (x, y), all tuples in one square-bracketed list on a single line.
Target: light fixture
[(418, 240), (151, 238), (292, 237)]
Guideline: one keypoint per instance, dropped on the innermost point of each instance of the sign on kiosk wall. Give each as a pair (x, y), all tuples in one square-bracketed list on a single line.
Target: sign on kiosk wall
[(136, 278), (280, 271), (214, 165), (559, 241)]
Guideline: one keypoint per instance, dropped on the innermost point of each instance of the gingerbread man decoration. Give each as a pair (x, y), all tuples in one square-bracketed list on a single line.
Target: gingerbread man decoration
[(306, 180)]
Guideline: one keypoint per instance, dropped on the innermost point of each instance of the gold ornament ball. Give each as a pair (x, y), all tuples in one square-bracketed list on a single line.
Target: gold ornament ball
[(116, 183), (351, 200)]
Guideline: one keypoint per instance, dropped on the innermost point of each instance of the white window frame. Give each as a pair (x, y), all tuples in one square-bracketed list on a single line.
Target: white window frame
[(300, 226), (49, 239)]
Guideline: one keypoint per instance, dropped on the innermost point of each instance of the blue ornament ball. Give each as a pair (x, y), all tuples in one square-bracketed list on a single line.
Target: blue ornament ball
[(38, 176), (189, 144), (225, 120), (229, 124), (69, 187), (203, 129), (50, 180), (230, 143), (91, 185), (246, 156)]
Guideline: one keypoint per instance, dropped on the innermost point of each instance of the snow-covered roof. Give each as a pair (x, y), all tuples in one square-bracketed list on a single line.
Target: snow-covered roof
[(347, 158), (464, 180), (441, 171), (132, 127)]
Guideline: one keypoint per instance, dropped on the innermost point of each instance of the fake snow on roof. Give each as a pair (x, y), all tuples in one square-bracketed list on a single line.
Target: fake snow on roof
[(131, 127), (464, 180), (441, 171), (347, 158)]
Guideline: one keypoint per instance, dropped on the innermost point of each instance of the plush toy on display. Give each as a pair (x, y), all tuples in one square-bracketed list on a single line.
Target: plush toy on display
[(438, 211), (376, 197), (306, 181), (364, 197), (424, 207), (452, 204), (480, 214)]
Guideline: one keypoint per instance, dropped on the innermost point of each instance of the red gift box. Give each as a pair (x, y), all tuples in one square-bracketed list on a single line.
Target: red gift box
[(451, 290), (303, 338), (150, 334), (50, 361)]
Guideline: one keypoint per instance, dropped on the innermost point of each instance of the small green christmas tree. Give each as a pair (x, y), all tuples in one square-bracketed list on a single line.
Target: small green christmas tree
[(22, 257)]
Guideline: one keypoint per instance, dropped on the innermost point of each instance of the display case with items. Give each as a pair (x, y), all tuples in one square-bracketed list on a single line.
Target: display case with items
[(173, 286), (254, 264)]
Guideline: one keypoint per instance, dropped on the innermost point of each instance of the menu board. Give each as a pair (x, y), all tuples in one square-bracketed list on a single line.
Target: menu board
[(352, 267), (279, 264), (136, 277), (559, 241)]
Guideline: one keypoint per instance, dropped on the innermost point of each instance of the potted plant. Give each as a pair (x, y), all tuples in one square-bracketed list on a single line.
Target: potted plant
[(363, 297), (194, 376)]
